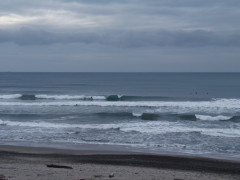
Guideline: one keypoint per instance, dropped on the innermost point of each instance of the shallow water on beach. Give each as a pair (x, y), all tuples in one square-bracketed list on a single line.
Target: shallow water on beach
[(183, 112)]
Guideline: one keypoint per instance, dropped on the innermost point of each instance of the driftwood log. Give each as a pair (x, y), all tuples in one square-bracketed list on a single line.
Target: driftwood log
[(58, 166)]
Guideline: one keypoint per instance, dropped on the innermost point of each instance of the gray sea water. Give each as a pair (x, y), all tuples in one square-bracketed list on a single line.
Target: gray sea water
[(192, 113)]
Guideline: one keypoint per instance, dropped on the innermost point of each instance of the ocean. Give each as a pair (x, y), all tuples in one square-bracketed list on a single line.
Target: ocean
[(191, 113)]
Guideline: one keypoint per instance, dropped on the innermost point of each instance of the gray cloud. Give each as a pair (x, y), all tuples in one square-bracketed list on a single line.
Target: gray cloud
[(185, 13), (123, 39), (170, 34)]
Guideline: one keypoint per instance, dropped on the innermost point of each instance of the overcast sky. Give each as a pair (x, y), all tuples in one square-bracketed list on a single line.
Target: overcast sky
[(120, 35)]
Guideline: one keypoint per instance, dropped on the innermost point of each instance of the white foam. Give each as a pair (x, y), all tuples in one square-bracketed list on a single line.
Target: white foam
[(156, 127), (2, 122), (137, 114), (69, 97), (212, 118), (218, 104), (119, 96), (42, 124), (161, 127), (10, 96), (57, 97)]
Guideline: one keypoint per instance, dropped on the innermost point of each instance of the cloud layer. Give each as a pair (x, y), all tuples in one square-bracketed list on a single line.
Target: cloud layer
[(116, 27), (123, 39)]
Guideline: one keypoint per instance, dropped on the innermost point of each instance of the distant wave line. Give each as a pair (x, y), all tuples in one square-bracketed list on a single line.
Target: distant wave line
[(222, 103), (117, 97)]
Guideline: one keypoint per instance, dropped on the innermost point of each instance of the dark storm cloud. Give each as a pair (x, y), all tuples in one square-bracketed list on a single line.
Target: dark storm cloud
[(124, 39)]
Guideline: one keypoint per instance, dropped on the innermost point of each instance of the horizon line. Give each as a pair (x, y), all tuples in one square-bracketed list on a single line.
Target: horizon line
[(119, 72)]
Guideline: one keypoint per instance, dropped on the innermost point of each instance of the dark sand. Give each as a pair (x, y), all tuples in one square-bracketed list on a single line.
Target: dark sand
[(24, 163)]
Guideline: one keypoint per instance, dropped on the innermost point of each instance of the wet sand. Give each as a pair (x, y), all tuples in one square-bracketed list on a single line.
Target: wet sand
[(23, 163)]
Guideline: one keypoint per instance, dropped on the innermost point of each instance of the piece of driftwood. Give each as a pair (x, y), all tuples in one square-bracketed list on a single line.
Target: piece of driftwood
[(58, 166)]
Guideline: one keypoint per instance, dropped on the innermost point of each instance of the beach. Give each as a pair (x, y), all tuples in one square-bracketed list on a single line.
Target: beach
[(22, 163)]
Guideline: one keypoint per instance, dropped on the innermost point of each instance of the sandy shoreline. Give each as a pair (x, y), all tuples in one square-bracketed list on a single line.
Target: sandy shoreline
[(30, 163)]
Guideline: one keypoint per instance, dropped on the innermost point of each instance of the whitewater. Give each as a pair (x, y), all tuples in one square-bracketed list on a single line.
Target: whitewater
[(187, 113)]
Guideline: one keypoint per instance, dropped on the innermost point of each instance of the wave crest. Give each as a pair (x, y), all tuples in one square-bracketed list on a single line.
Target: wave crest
[(52, 97), (213, 118), (10, 96), (70, 97)]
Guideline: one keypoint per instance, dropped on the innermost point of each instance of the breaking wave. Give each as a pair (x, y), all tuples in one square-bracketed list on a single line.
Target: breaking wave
[(218, 118), (126, 116), (10, 96), (54, 125), (142, 127), (155, 116), (213, 118), (51, 97), (136, 98), (84, 97), (222, 103), (70, 97)]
